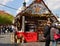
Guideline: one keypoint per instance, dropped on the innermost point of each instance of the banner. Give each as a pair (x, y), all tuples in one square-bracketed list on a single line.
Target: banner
[(28, 36)]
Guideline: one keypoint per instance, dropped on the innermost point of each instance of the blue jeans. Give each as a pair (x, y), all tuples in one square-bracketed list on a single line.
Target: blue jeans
[(54, 43)]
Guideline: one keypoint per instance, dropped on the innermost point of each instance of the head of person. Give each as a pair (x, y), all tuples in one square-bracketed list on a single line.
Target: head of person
[(54, 25), (49, 23)]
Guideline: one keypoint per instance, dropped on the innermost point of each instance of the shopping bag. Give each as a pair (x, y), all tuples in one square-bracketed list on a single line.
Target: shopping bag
[(56, 36)]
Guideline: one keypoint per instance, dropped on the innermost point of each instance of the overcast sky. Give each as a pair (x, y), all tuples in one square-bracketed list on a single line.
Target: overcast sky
[(54, 6)]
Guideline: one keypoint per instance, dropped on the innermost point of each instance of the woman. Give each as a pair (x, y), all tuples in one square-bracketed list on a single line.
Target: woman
[(53, 30)]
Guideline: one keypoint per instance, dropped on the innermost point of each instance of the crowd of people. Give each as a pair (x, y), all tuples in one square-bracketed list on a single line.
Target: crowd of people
[(4, 29)]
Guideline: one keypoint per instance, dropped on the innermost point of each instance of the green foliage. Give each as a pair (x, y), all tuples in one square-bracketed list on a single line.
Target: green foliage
[(6, 19)]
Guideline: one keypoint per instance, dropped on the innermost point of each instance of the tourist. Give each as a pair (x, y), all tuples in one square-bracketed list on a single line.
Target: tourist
[(54, 30), (47, 33)]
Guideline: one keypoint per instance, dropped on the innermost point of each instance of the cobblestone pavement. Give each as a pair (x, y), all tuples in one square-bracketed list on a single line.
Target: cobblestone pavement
[(26, 44), (36, 44), (5, 40)]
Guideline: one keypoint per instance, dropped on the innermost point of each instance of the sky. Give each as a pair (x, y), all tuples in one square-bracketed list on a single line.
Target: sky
[(53, 5)]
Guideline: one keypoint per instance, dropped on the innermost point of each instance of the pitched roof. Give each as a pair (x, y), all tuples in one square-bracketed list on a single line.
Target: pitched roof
[(32, 4)]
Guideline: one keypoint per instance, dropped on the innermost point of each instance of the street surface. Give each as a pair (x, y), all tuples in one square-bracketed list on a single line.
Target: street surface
[(26, 44), (5, 40)]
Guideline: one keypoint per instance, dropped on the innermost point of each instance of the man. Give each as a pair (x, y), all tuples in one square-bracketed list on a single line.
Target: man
[(47, 33)]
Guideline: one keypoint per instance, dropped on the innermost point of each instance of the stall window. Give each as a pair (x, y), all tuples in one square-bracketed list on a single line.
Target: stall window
[(29, 27)]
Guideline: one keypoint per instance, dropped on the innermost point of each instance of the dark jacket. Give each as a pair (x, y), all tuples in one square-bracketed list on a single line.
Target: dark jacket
[(47, 32)]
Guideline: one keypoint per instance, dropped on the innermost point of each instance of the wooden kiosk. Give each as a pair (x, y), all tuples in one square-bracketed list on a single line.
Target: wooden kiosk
[(33, 19)]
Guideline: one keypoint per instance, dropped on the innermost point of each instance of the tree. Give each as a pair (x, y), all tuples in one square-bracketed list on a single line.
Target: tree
[(6, 18)]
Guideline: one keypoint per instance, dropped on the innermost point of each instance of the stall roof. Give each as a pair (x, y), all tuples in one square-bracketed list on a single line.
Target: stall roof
[(32, 4), (34, 8)]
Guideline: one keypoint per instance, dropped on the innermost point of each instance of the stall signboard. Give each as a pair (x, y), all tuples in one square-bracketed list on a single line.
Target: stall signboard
[(28, 36)]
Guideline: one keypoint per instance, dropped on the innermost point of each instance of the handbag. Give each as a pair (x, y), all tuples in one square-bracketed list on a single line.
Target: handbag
[(56, 36)]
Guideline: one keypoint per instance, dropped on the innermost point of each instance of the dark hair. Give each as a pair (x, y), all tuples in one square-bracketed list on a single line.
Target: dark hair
[(54, 25)]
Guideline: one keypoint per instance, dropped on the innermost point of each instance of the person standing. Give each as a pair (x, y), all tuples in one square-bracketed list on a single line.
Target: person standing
[(54, 30), (47, 33)]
